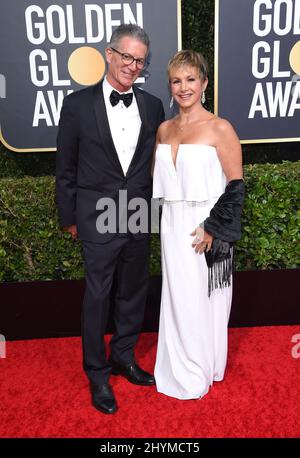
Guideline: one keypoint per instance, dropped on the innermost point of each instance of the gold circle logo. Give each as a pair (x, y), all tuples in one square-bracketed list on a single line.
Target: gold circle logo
[(295, 58), (86, 65)]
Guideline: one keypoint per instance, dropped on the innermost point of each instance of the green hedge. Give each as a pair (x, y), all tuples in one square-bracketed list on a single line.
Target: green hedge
[(271, 219), (32, 247)]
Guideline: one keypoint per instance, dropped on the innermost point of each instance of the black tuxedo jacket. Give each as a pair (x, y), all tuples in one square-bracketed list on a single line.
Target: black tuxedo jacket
[(87, 165)]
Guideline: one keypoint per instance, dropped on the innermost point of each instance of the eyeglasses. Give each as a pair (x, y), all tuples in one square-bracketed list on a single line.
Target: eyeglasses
[(128, 59)]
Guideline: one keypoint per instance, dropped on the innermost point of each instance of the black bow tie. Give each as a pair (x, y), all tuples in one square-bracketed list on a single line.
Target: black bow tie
[(115, 98)]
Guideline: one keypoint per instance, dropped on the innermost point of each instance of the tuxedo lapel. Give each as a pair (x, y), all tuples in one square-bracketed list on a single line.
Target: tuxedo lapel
[(142, 110), (103, 127)]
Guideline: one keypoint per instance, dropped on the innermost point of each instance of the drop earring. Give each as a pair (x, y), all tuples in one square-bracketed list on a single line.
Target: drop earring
[(171, 102), (203, 98)]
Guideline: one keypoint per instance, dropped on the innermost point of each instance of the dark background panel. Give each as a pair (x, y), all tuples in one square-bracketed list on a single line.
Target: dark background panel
[(17, 108), (31, 310), (236, 83)]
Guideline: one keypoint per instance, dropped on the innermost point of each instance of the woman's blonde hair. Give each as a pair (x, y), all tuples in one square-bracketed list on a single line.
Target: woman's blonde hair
[(189, 58)]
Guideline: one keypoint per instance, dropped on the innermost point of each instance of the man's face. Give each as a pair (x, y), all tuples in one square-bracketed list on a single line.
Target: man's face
[(120, 75)]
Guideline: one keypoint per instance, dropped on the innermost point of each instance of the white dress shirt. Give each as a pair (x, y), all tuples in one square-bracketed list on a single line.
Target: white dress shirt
[(124, 123)]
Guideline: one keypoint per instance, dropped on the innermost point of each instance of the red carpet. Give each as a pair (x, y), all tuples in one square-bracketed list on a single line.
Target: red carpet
[(44, 393)]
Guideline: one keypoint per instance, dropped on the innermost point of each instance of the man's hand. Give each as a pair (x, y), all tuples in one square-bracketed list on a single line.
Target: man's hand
[(72, 230), (203, 241)]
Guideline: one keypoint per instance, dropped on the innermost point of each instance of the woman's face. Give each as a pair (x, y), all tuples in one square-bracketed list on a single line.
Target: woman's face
[(186, 85)]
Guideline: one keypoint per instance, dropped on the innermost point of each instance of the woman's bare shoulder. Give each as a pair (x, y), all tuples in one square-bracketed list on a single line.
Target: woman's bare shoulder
[(222, 126), (165, 125), (164, 129)]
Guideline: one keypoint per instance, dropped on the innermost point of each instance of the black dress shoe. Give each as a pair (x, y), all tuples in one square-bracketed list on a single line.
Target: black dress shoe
[(133, 373), (103, 398)]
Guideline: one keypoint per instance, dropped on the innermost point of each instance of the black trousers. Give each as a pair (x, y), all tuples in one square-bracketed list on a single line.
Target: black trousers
[(128, 258)]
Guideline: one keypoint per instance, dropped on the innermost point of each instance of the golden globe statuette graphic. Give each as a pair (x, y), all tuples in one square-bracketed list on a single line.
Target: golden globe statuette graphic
[(86, 65), (295, 58)]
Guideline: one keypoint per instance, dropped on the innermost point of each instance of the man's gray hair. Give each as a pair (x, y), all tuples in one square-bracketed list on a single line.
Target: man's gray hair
[(129, 30)]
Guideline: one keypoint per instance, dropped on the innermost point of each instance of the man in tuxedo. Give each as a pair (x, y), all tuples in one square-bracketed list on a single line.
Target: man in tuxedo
[(105, 145)]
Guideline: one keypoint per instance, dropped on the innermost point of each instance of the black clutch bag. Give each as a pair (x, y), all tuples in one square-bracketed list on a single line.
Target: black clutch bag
[(219, 251), (219, 262), (224, 224)]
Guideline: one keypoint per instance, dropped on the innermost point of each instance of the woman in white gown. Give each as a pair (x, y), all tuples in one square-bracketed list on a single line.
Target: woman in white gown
[(197, 155)]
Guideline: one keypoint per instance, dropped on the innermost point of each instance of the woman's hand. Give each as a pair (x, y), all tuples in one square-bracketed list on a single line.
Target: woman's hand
[(202, 241), (71, 230)]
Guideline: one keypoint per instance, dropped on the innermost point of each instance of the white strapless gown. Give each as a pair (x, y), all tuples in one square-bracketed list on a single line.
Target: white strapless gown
[(192, 339)]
